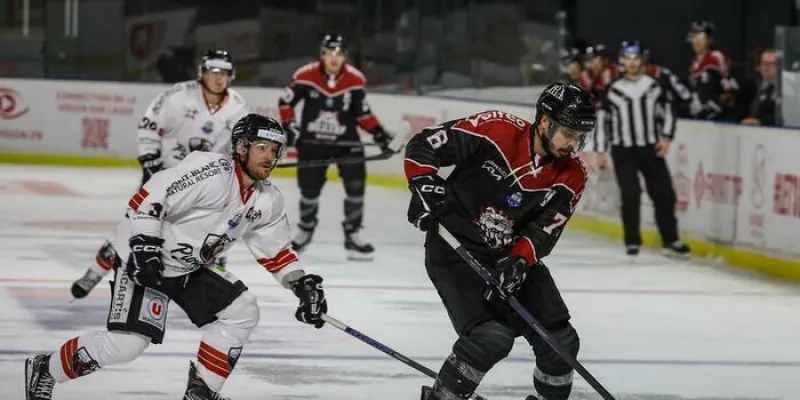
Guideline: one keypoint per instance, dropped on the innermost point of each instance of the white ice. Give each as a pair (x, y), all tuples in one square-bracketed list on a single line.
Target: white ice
[(657, 329)]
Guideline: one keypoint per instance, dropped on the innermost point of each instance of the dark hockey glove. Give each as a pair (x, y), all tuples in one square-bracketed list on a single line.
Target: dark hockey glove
[(151, 163), (144, 264), (382, 138), (312, 300), (512, 271), (427, 201), (292, 130)]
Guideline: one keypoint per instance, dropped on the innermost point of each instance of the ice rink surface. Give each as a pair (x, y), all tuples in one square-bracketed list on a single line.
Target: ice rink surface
[(657, 329)]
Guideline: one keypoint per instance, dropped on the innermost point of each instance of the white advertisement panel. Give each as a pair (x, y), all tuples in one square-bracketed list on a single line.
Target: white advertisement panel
[(734, 184), (769, 213)]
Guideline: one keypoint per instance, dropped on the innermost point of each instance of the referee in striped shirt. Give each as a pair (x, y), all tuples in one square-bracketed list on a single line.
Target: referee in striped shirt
[(636, 124)]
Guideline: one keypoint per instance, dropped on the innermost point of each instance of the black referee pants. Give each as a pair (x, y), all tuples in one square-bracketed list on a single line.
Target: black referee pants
[(628, 163)]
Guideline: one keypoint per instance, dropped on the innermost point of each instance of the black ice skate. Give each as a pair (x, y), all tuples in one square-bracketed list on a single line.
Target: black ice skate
[(632, 250), (357, 249), (38, 381), (677, 249), (84, 285), (427, 393), (196, 388), (303, 237)]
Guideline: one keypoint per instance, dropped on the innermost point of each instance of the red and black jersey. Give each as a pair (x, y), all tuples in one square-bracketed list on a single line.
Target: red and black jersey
[(334, 106), (597, 84), (501, 196), (708, 80)]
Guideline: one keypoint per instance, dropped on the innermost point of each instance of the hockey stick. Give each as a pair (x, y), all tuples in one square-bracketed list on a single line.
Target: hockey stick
[(515, 304), (395, 146), (386, 349), (340, 143)]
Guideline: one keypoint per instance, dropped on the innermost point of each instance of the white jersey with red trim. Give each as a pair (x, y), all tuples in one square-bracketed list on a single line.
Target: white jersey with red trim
[(179, 121), (200, 209)]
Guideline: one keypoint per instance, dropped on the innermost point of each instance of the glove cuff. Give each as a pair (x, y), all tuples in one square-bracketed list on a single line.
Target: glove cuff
[(524, 248)]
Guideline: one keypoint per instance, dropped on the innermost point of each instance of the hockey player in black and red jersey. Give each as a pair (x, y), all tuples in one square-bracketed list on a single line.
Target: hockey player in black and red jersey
[(334, 107), (600, 71), (709, 75), (514, 187)]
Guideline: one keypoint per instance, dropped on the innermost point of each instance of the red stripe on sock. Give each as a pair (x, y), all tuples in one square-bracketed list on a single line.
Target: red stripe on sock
[(211, 365)]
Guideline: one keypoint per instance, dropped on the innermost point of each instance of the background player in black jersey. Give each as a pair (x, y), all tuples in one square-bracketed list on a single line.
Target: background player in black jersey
[(334, 106), (514, 187)]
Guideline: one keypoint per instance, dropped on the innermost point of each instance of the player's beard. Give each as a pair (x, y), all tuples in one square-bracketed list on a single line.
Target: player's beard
[(259, 170)]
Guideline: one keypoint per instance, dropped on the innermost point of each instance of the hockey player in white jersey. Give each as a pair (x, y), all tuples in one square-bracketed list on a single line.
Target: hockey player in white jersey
[(189, 116), (180, 220)]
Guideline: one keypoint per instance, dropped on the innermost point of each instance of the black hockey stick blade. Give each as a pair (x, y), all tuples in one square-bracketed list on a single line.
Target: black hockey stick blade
[(519, 309), (386, 349)]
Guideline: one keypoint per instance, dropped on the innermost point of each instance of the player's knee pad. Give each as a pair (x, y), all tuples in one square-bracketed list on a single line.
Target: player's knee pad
[(485, 345), (240, 317), (354, 188), (114, 347)]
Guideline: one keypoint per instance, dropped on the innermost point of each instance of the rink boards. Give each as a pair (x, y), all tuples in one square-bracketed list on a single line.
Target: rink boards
[(738, 187)]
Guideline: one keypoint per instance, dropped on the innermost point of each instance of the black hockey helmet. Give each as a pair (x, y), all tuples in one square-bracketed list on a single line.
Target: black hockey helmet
[(216, 60), (706, 27), (569, 56), (333, 41), (254, 127), (569, 108), (597, 50)]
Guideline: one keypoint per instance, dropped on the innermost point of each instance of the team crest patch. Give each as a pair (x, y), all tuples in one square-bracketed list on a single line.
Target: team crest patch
[(497, 228)]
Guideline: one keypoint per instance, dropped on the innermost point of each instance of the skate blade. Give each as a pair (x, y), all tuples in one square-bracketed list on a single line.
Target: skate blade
[(356, 256), (675, 256)]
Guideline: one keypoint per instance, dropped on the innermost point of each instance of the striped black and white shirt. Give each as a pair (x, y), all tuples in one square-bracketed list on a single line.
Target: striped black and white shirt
[(634, 113)]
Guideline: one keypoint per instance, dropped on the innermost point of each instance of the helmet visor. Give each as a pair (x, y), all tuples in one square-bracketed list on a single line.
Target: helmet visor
[(566, 139)]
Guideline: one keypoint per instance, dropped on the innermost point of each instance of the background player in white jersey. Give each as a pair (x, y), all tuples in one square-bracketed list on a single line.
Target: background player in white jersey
[(178, 222), (189, 116)]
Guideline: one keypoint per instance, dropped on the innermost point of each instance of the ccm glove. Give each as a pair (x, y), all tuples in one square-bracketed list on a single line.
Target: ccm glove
[(427, 201), (512, 271), (144, 264), (382, 138), (312, 300), (151, 163)]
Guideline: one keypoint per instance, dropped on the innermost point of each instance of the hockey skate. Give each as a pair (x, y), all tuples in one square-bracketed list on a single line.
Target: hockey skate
[(85, 284), (303, 237), (427, 393), (196, 388), (357, 249), (38, 381), (677, 249)]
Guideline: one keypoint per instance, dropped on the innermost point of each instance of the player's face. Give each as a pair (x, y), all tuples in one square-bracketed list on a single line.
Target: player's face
[(261, 157), (699, 42), (632, 63), (565, 141), (333, 60), (574, 71), (595, 64), (216, 80)]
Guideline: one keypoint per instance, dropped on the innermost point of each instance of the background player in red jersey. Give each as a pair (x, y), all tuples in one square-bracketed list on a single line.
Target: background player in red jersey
[(514, 187), (334, 106)]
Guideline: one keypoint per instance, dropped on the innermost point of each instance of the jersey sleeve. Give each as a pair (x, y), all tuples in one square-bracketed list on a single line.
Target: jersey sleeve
[(156, 121), (439, 146), (293, 95), (666, 110), (270, 243), (602, 130), (363, 112), (540, 235), (177, 190)]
